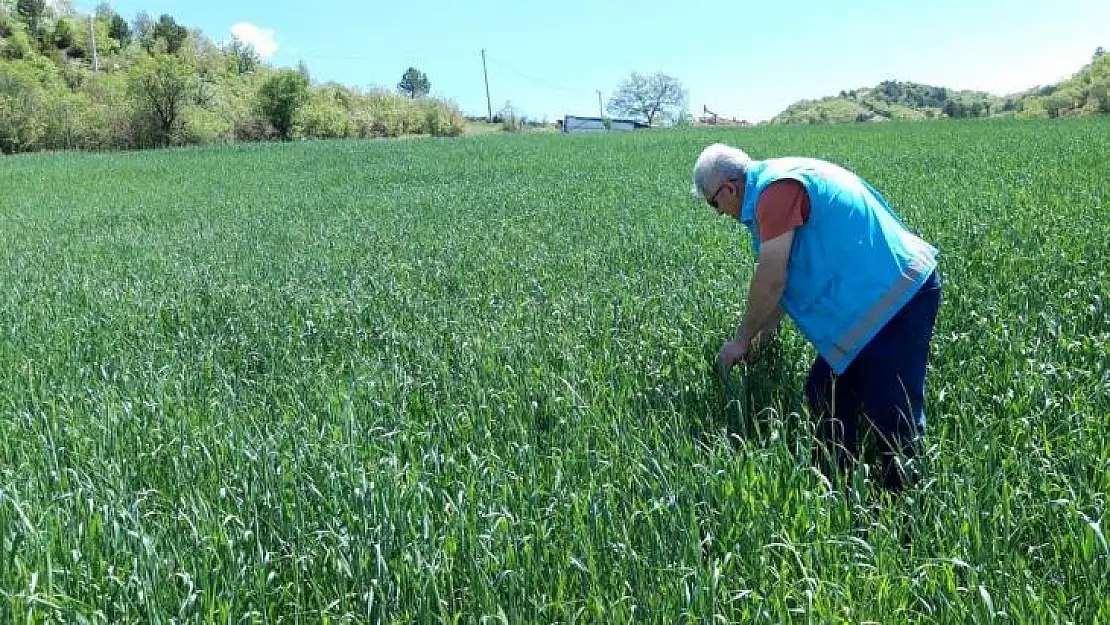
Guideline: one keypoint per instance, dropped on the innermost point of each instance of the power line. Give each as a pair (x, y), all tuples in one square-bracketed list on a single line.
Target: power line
[(540, 81), (492, 60)]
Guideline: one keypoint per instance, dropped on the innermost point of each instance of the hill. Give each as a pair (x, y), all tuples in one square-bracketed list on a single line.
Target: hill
[(1085, 93), (895, 100)]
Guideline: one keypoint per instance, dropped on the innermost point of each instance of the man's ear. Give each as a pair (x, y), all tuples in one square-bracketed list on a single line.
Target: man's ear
[(738, 190)]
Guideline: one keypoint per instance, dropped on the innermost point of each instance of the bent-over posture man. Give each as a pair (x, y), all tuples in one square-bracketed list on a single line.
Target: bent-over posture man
[(860, 286)]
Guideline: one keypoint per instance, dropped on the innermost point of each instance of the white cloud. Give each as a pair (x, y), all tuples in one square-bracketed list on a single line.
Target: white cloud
[(261, 38)]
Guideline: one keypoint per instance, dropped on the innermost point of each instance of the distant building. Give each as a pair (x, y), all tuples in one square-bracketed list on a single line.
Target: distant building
[(709, 118), (714, 120), (576, 124)]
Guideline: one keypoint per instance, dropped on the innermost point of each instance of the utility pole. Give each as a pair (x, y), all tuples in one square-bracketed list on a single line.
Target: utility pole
[(600, 110), (489, 103), (92, 38)]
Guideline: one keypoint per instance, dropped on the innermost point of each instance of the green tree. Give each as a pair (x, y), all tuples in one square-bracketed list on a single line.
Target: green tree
[(1099, 97), (325, 115), (162, 85), (82, 42), (414, 83), (281, 96), (167, 29), (119, 30), (1064, 100), (63, 34), (21, 108), (17, 43), (243, 56), (142, 30), (32, 12), (648, 96)]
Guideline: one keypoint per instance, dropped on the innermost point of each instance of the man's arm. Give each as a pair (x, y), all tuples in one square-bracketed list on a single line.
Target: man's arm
[(765, 292), (771, 329), (782, 207), (764, 296), (776, 320)]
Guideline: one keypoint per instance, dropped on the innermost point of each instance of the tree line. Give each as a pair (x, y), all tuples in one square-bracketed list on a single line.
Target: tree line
[(72, 81)]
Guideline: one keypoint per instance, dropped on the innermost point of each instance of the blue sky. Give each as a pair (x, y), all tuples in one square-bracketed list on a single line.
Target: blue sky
[(747, 60)]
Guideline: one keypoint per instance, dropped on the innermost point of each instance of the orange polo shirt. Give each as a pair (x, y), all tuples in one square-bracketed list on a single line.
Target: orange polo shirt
[(783, 206)]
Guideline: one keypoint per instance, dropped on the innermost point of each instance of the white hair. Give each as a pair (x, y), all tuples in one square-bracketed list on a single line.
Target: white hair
[(718, 164)]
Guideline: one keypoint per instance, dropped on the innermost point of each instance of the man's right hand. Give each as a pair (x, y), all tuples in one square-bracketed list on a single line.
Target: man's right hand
[(731, 353)]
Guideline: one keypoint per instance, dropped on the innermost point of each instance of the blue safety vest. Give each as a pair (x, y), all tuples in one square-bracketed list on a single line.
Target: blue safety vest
[(853, 265)]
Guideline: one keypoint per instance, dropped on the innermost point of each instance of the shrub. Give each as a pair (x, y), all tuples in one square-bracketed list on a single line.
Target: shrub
[(205, 127), (281, 97), (324, 117), (22, 108), (442, 119)]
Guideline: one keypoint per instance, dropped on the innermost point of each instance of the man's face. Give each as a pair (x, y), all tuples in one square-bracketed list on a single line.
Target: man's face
[(726, 199)]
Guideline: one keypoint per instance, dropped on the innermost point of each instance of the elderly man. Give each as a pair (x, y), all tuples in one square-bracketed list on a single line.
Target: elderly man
[(857, 283)]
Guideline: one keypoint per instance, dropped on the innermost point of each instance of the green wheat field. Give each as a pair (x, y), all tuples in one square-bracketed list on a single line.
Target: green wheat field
[(470, 381)]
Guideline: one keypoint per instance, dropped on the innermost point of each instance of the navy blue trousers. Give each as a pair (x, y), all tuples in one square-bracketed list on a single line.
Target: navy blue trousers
[(885, 384)]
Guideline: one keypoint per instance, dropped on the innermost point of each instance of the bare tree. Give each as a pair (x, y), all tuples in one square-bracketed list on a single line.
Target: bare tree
[(648, 96)]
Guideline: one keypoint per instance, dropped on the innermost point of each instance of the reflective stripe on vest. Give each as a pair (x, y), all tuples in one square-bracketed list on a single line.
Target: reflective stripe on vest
[(849, 340)]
